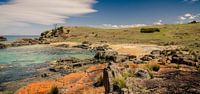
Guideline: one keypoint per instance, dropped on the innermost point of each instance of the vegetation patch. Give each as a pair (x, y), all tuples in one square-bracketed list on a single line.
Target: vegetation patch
[(152, 66), (119, 82), (149, 30), (98, 81)]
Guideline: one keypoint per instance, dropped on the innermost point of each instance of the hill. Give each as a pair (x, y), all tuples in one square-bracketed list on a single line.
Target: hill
[(173, 34)]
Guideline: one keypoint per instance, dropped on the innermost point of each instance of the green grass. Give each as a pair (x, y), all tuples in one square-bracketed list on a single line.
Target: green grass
[(120, 81), (179, 34), (153, 67)]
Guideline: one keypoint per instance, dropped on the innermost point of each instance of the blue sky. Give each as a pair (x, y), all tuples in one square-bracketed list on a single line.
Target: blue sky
[(26, 17)]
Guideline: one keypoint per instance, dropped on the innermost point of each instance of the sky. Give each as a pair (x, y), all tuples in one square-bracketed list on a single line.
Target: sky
[(31, 17)]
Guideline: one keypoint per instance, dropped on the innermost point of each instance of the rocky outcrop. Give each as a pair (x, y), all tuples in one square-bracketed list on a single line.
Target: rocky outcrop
[(68, 65), (2, 46), (2, 38), (177, 56), (56, 34), (103, 47), (115, 78), (23, 42), (106, 56), (141, 73), (74, 83)]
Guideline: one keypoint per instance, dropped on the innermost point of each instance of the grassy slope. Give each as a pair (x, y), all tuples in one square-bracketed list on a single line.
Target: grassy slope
[(184, 34)]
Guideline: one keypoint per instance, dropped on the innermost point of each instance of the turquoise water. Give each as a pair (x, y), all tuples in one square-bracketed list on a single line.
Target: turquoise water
[(24, 59), (39, 54), (11, 38)]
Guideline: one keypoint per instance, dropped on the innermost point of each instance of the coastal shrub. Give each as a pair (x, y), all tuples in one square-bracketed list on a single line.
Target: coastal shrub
[(151, 75), (127, 73), (153, 66), (178, 66), (193, 22), (149, 30), (119, 82), (98, 81), (54, 90)]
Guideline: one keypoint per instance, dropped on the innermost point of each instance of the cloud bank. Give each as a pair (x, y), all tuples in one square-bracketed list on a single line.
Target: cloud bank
[(44, 12)]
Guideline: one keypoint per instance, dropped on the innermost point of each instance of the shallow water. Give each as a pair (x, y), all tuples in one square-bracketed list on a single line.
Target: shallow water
[(24, 60)]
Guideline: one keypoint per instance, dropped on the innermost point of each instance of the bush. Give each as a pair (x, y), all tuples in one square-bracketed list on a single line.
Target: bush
[(153, 66), (149, 30), (54, 90), (98, 81), (178, 66), (151, 75), (119, 81), (127, 73)]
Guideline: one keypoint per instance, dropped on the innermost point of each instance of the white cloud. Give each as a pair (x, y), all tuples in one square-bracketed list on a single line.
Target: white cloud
[(45, 12), (159, 22), (188, 17), (118, 26), (182, 18), (191, 0)]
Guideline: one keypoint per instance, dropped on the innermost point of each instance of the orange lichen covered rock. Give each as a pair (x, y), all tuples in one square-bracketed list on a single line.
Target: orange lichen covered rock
[(36, 88), (74, 83)]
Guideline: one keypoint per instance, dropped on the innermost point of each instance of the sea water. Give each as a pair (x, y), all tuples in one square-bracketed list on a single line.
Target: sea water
[(21, 60)]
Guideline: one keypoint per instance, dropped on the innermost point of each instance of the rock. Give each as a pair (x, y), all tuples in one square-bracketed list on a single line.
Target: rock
[(121, 58), (101, 48), (106, 56), (23, 42), (147, 57), (131, 57), (53, 70), (164, 60), (168, 52), (142, 73), (125, 91), (44, 75), (60, 32), (107, 80), (156, 53), (184, 59), (68, 65), (84, 45), (2, 46), (63, 45), (193, 91), (3, 38)]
